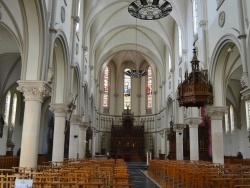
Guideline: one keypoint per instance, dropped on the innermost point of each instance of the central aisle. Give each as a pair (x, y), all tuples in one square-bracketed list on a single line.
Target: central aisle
[(138, 173)]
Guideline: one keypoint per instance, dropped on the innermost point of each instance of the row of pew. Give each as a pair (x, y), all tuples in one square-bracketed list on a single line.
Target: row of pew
[(88, 173), (198, 174), (10, 161)]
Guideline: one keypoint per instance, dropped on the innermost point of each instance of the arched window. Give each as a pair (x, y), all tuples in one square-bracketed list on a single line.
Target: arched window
[(13, 111), (149, 88), (180, 42), (247, 104), (78, 4), (169, 62), (7, 108), (195, 17), (226, 123), (127, 90), (106, 87), (232, 118)]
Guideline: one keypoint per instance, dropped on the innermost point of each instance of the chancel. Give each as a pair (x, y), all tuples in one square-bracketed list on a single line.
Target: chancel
[(137, 93)]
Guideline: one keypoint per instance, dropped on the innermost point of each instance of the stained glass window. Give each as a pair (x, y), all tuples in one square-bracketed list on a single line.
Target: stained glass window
[(195, 17), (13, 113), (232, 118), (7, 108), (149, 88), (127, 91), (106, 87)]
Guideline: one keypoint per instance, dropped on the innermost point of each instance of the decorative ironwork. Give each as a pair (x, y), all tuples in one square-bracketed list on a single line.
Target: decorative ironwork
[(150, 9), (135, 73), (195, 90)]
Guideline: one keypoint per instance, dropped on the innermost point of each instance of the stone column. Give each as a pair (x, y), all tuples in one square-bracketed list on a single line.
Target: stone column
[(34, 92), (60, 112), (178, 128), (246, 97), (73, 137), (82, 139), (216, 113), (193, 123), (163, 145), (203, 25), (245, 80)]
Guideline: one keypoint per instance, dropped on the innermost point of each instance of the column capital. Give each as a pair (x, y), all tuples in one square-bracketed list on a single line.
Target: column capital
[(34, 90), (84, 126), (75, 119), (245, 94), (59, 109), (203, 24), (216, 112), (179, 127), (193, 122), (76, 19)]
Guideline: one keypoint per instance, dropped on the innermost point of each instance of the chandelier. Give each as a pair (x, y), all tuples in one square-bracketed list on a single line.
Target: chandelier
[(150, 9), (135, 73), (195, 90)]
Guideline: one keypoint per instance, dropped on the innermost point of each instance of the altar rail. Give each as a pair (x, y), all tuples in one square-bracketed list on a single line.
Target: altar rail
[(150, 121)]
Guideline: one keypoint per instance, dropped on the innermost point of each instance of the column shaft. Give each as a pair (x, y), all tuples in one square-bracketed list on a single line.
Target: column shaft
[(193, 123), (178, 128), (60, 112), (216, 113), (34, 92), (82, 140), (194, 142), (74, 138), (30, 134)]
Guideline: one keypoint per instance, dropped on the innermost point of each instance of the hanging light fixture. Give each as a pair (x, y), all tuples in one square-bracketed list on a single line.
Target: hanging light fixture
[(150, 9), (195, 90), (135, 73)]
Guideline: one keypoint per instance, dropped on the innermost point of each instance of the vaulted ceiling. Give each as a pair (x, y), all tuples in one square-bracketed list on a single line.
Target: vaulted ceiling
[(113, 34)]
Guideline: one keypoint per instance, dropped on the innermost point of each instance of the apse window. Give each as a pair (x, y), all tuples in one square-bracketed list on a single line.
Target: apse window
[(149, 89), (106, 87), (127, 90)]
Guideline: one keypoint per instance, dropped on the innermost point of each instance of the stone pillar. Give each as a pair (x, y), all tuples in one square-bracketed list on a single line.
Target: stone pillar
[(216, 113), (245, 80), (203, 25), (163, 144), (193, 123), (34, 92), (246, 97), (82, 139), (178, 128), (60, 112), (74, 137)]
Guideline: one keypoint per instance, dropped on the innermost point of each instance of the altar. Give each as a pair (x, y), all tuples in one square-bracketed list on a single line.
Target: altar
[(127, 140)]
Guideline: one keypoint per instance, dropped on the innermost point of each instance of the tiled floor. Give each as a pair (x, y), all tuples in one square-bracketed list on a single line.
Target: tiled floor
[(138, 172)]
